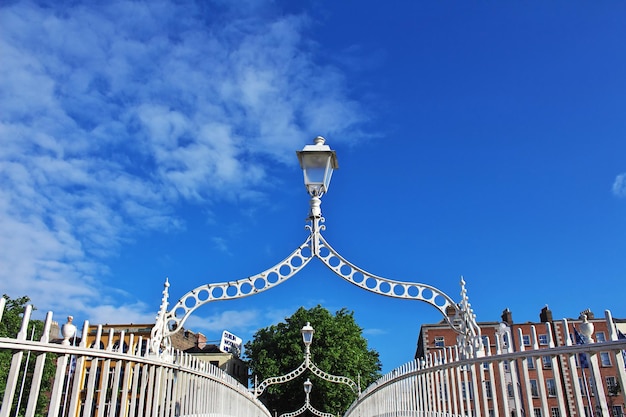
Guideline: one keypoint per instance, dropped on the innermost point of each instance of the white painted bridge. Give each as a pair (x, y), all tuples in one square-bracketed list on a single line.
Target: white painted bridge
[(128, 380)]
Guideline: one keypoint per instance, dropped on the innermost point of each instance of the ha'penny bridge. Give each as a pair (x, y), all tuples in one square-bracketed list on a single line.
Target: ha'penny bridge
[(477, 377)]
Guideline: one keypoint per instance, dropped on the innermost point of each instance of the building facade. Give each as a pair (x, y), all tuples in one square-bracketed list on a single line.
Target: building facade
[(551, 375), (186, 341)]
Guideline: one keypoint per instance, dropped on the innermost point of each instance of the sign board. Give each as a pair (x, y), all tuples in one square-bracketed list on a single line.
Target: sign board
[(230, 343)]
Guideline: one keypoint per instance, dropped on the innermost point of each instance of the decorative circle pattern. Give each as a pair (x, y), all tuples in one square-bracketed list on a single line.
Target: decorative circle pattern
[(314, 246), (241, 288), (379, 285)]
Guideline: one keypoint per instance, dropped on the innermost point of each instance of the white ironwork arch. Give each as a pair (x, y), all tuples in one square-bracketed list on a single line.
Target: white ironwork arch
[(171, 321), (230, 290), (380, 285), (315, 160), (307, 406), (307, 364)]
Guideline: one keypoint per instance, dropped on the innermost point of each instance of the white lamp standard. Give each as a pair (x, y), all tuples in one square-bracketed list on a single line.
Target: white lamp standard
[(318, 162), (307, 338), (307, 405), (307, 388)]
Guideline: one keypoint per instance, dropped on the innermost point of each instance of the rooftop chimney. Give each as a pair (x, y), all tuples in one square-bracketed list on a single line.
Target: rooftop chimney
[(546, 315), (507, 316), (588, 313)]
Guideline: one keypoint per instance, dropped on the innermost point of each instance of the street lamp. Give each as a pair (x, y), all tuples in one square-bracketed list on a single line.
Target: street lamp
[(307, 405), (307, 335), (317, 162)]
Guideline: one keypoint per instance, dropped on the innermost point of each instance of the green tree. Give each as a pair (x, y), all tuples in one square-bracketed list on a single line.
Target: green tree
[(10, 327), (338, 348)]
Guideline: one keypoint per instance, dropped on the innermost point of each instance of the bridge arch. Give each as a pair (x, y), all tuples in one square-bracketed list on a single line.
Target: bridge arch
[(315, 246)]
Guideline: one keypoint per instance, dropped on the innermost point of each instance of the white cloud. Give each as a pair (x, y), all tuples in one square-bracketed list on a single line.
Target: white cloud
[(114, 113), (374, 332), (233, 320), (619, 185), (243, 323)]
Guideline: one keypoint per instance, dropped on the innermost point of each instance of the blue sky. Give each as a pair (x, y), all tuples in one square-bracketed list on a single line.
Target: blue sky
[(145, 140)]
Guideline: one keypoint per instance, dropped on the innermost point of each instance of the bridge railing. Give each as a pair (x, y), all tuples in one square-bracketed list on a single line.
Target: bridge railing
[(121, 379), (38, 377), (570, 380)]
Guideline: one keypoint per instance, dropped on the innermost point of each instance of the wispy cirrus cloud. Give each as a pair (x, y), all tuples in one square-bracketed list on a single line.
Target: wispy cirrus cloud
[(114, 113), (619, 185), (242, 322)]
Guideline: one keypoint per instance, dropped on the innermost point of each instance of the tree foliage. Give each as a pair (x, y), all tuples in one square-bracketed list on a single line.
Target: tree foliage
[(9, 327), (338, 348)]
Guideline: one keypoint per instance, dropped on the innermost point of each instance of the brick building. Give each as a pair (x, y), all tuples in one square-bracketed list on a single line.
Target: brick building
[(193, 343), (550, 373)]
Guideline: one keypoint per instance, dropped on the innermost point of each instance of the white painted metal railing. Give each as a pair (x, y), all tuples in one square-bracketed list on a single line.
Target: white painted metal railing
[(126, 380), (548, 382)]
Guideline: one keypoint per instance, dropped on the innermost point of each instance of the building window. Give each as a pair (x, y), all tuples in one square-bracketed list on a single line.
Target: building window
[(488, 389), (605, 359), (443, 391), (611, 385), (531, 363), (440, 341), (617, 411), (583, 387), (465, 391), (534, 389), (537, 412), (485, 341), (492, 413), (526, 339), (543, 339), (505, 341), (486, 365), (600, 337), (509, 390), (547, 362), (555, 412), (551, 386)]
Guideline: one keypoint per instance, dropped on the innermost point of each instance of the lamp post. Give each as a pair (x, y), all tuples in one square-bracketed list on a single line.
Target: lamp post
[(307, 388), (307, 338), (307, 404), (318, 162)]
